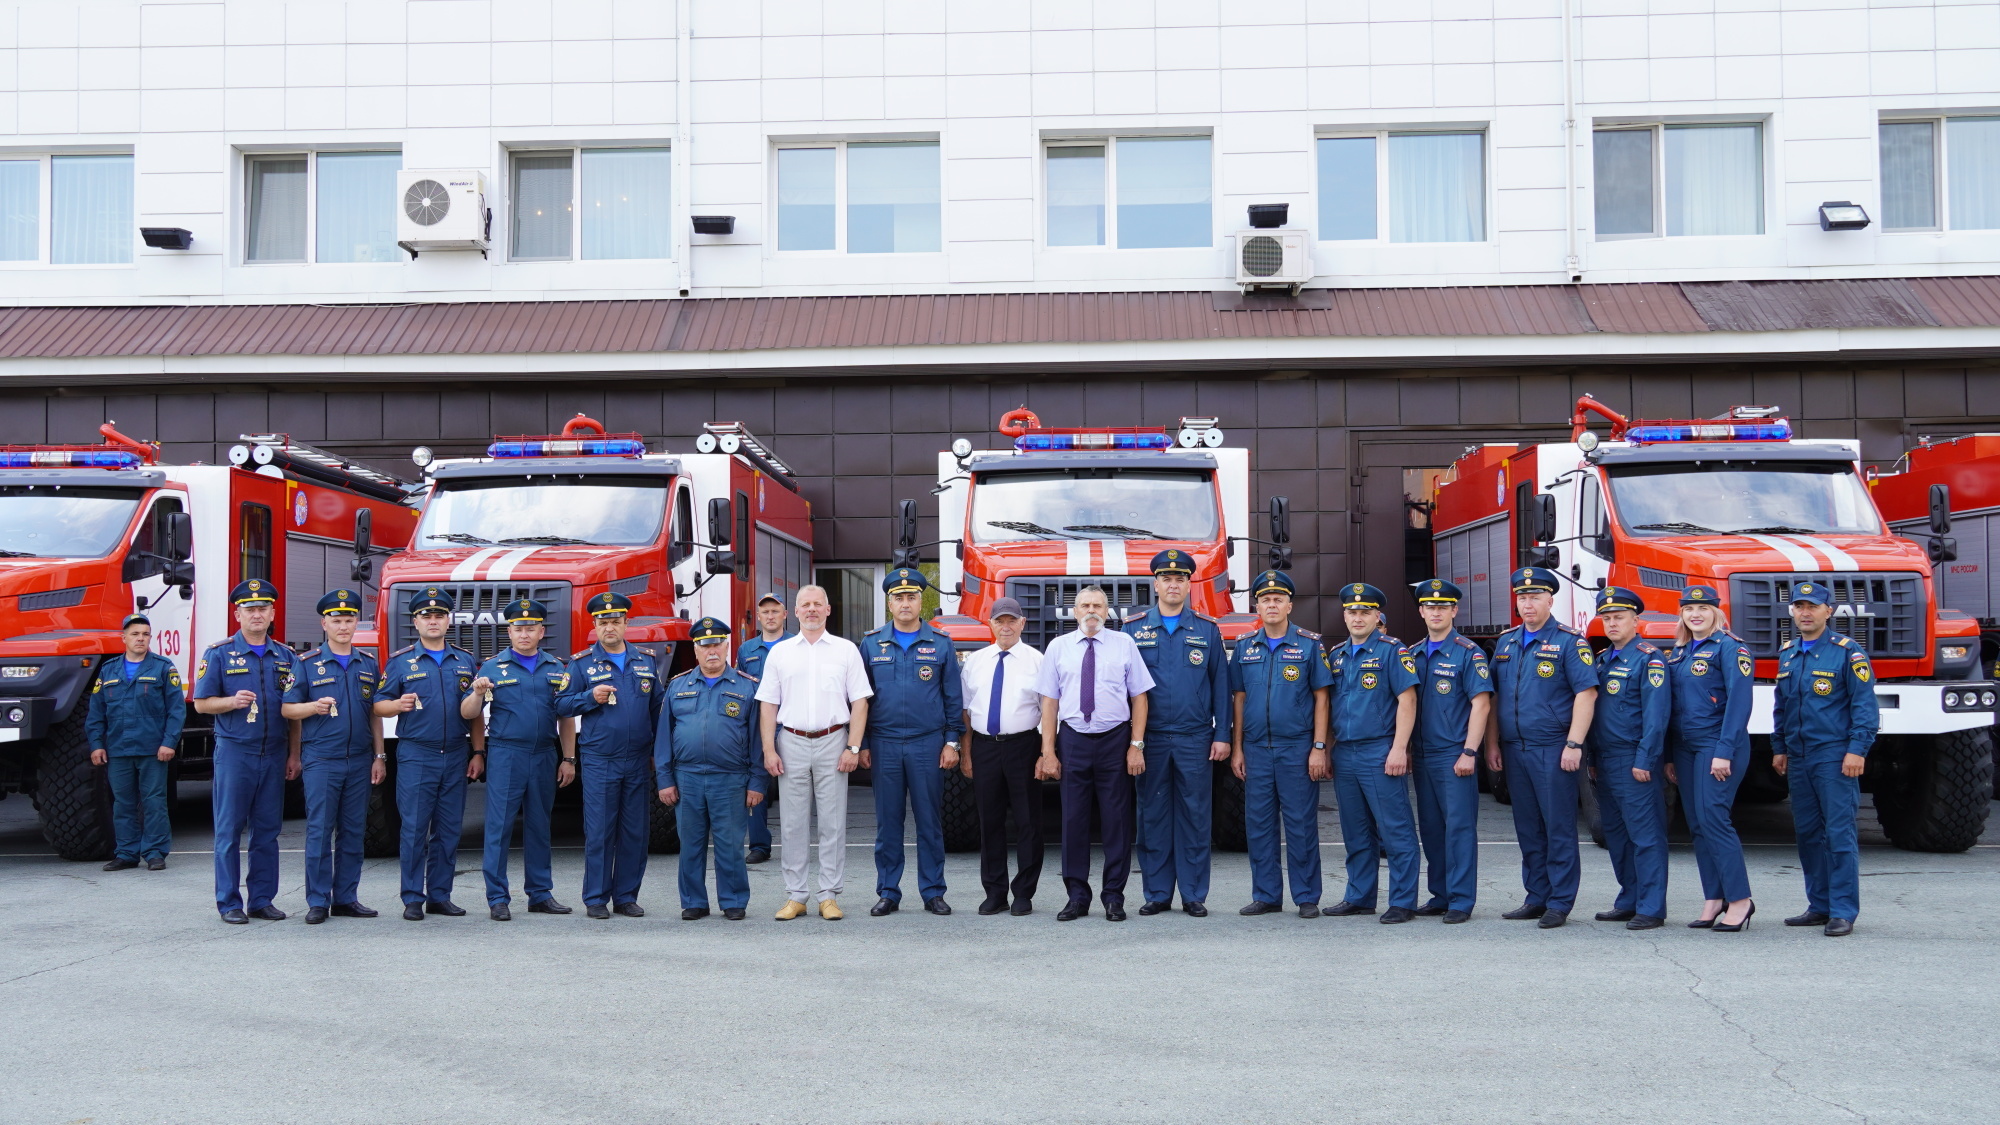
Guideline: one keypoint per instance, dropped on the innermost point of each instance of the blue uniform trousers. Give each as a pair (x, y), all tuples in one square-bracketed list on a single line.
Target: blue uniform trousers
[(520, 782), (1175, 800), (712, 807), (336, 820), (1634, 814), (139, 807), (1093, 772), (899, 768), (1375, 821), (617, 819), (430, 795), (249, 793), (1545, 797), (1823, 805), (1718, 851), (1277, 788), (759, 835), (1448, 826)]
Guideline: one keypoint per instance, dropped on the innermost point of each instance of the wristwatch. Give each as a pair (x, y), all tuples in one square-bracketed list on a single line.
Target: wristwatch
[(952, 746), (381, 757), (570, 760), (1138, 744), (1572, 744), (854, 749), (1470, 751), (1319, 745)]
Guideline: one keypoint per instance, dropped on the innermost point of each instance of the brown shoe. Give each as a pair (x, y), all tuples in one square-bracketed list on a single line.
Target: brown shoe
[(830, 910), (792, 909)]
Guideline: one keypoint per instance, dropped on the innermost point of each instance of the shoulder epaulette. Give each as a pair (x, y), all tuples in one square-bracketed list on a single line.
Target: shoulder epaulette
[(468, 654), (1397, 641), (1791, 644), (579, 654), (1139, 615), (1464, 641), (1567, 629), (401, 651), (1204, 617), (743, 674), (1842, 640), (1308, 634), (312, 653), (1646, 646), (550, 655)]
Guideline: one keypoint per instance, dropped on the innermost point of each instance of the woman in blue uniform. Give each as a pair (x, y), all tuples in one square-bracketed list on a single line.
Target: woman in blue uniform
[(1710, 739)]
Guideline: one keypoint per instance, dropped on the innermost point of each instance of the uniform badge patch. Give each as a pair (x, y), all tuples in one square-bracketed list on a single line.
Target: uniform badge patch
[(1743, 663), (1409, 664), (1196, 656), (1698, 668), (1612, 687), (1656, 676), (925, 671), (174, 677), (1291, 673), (1545, 669), (732, 709), (1822, 687), (202, 670), (1484, 674), (646, 686), (1368, 679), (1444, 687), (1860, 670), (1583, 652)]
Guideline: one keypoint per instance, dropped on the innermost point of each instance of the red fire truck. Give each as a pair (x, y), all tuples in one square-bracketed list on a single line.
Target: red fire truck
[(562, 517), (1740, 504), (91, 533)]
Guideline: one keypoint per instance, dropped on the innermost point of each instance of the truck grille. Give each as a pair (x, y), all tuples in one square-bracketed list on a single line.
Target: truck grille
[(1883, 611), (1046, 602), (476, 626)]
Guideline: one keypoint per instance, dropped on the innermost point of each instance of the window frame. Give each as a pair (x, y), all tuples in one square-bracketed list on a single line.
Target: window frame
[(1108, 141), (1384, 225), (576, 151), (839, 147), (256, 538), (45, 211), (1940, 167), (311, 155), (1659, 183)]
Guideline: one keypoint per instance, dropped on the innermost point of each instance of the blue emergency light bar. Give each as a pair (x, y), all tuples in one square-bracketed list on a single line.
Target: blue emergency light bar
[(69, 459), (1063, 443), (1775, 429), (568, 447)]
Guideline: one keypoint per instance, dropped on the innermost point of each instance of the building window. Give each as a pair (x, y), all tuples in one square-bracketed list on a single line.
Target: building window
[(1962, 153), (1135, 193), (611, 202), (67, 210), (861, 197), (253, 557), (1431, 187), (1683, 180), (321, 207)]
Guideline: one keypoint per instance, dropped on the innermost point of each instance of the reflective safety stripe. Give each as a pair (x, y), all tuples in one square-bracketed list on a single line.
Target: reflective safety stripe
[(503, 569), (1797, 557), (1078, 560), (1114, 558), (469, 569), (1840, 559)]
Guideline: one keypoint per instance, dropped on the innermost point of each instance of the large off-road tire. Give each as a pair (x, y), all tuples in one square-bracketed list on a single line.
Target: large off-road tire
[(1588, 811), (1228, 831), (74, 797), (383, 835), (663, 834), (1933, 791), (960, 814)]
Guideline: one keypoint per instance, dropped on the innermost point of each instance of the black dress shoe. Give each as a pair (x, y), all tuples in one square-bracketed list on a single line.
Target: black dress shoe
[(1257, 907), (1346, 909), (1431, 909), (1553, 919), (1722, 927), (1837, 927), (447, 908), (121, 865), (268, 914), (354, 910), (157, 863), (1150, 908), (758, 855), (1525, 913), (733, 913), (629, 910), (315, 915), (236, 917), (1073, 910), (1114, 911), (1644, 922), (1702, 923), (1309, 910), (884, 907), (993, 906), (1456, 917), (500, 912), (1194, 909), (1809, 918), (937, 906), (694, 913), (1616, 915), (414, 912), (548, 906), (599, 911), (1022, 907), (1396, 914)]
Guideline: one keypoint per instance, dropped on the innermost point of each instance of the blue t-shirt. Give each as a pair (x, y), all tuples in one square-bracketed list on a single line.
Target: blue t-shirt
[(1527, 639), (261, 650), (1173, 623), (904, 639), (617, 658), (1806, 645), (1431, 647), (342, 659), (711, 680), (526, 660), (1355, 647), (132, 669), (437, 654)]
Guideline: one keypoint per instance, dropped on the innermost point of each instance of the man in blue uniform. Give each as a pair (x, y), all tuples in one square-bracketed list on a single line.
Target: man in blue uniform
[(437, 751), (616, 688), (750, 661), (1188, 727), (1822, 726), (709, 763), (1374, 709), (1280, 681), (1454, 696), (242, 682), (518, 687), (1628, 733), (1545, 684), (137, 708), (914, 724), (340, 755)]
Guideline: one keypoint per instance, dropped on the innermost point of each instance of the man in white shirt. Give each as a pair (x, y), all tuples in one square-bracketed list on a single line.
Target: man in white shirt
[(1003, 716), (814, 702)]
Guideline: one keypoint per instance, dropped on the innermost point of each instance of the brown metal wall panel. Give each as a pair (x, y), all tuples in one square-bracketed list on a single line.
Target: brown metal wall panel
[(1960, 302), (1777, 306), (1640, 308)]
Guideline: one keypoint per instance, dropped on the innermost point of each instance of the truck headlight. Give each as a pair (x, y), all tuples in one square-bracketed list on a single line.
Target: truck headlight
[(1954, 653), (17, 714), (1986, 698), (20, 671), (1951, 699)]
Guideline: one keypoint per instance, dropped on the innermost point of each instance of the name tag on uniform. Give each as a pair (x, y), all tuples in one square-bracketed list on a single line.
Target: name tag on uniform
[(416, 675)]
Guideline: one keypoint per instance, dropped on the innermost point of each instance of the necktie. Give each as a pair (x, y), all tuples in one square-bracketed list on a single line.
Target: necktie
[(993, 699), (1089, 685)]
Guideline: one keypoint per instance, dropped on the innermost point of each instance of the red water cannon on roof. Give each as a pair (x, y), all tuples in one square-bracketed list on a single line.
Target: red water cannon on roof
[(1030, 436), (116, 452), (1742, 423)]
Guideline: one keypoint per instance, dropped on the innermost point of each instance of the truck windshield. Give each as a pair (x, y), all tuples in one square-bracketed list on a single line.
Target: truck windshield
[(1754, 497), (64, 523), (1094, 504), (545, 510)]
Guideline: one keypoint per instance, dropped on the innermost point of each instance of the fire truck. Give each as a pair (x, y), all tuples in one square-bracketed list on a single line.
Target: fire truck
[(1065, 508), (562, 517), (92, 533), (1738, 503)]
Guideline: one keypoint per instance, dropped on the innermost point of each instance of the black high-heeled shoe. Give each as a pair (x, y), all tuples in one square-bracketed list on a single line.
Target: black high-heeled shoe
[(1722, 927)]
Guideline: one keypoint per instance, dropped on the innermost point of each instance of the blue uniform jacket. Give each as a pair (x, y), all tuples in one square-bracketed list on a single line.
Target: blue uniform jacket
[(623, 728), (523, 709), (1446, 682), (1190, 669), (1712, 697), (230, 666), (1535, 688), (710, 728), (1633, 706), (439, 682), (917, 693), (751, 653), (351, 732), (1277, 679), (134, 718), (1366, 684), (1826, 699)]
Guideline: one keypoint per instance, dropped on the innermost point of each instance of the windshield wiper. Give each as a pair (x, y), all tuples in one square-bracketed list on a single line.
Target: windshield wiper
[(1029, 528), (1116, 529), (460, 537), (7, 554), (1775, 529), (550, 540), (1679, 526)]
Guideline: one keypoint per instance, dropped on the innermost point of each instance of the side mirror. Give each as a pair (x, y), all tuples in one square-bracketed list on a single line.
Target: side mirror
[(179, 546), (721, 562), (1281, 533), (1942, 548), (718, 524), (364, 567), (906, 533), (1545, 518), (1940, 509)]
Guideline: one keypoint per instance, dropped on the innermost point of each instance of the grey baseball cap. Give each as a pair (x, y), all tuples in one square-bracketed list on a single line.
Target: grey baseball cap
[(1005, 607), (770, 598)]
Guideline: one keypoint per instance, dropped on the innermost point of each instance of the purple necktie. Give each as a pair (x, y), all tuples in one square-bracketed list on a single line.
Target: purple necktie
[(1089, 686)]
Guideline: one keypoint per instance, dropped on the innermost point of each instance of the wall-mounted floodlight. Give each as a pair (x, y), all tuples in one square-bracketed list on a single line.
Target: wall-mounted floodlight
[(167, 238), (714, 224), (1264, 216), (1842, 215)]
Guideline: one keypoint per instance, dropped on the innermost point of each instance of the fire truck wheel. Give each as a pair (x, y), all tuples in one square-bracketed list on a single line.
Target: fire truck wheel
[(1588, 812), (74, 797), (663, 835), (1227, 830), (960, 814), (1993, 735), (382, 837), (1932, 793)]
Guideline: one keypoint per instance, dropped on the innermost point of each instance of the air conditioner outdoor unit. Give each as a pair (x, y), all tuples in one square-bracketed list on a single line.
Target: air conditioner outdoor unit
[(1273, 259), (442, 210)]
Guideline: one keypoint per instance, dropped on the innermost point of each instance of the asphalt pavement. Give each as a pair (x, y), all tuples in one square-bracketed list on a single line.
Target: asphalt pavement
[(124, 999)]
